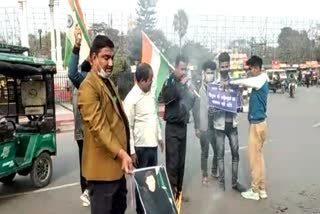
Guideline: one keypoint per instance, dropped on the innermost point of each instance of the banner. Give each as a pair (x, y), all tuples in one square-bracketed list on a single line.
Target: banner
[(226, 99), (154, 190)]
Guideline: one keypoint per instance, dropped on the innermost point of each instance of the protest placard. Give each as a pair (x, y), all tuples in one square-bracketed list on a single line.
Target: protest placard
[(224, 98)]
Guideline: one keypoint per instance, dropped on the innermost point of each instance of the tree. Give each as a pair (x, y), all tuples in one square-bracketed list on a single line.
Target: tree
[(104, 29), (240, 46), (160, 40), (120, 41), (135, 43), (294, 46), (146, 12), (180, 24)]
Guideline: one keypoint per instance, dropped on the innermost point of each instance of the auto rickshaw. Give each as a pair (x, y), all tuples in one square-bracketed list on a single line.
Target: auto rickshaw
[(277, 79), (27, 118)]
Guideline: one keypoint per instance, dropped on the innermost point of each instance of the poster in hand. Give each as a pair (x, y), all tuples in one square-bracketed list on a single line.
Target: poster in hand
[(154, 190), (226, 99)]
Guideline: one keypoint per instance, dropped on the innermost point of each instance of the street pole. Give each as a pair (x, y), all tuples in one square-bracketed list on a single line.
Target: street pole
[(40, 38), (53, 41), (58, 35), (23, 24)]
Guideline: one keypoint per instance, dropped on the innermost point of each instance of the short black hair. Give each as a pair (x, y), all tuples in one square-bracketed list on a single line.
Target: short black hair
[(100, 42), (209, 65), (181, 58), (255, 61), (142, 72), (224, 57)]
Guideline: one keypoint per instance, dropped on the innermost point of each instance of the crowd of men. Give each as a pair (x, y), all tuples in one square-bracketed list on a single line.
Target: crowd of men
[(116, 136)]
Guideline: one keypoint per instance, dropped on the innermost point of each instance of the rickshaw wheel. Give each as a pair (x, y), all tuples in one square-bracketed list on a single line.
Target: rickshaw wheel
[(8, 179), (41, 170)]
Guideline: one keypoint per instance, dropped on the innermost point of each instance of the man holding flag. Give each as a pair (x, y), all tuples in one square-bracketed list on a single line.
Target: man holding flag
[(73, 54), (179, 100), (76, 78)]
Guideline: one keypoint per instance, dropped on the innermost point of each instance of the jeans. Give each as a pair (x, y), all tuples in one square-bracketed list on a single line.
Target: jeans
[(83, 182), (147, 157), (232, 135), (108, 197), (208, 138)]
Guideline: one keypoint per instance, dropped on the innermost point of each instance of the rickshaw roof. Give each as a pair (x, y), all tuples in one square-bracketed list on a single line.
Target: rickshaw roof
[(18, 65)]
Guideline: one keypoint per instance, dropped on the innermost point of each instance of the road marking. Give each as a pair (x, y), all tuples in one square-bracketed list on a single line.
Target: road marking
[(316, 125), (40, 190)]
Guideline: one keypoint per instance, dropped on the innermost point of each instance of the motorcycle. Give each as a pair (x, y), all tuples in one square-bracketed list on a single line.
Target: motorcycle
[(283, 86), (292, 89)]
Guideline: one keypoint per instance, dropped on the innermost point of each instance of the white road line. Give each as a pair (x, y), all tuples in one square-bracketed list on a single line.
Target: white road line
[(40, 190), (316, 125)]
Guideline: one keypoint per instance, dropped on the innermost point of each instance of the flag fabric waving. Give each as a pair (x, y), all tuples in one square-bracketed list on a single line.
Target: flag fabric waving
[(75, 16), (160, 65)]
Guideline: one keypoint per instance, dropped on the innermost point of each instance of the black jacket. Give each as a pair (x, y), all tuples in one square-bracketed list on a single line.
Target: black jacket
[(178, 101)]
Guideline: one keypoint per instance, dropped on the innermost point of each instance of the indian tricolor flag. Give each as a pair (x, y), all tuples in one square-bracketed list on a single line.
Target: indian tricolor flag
[(160, 65), (75, 16)]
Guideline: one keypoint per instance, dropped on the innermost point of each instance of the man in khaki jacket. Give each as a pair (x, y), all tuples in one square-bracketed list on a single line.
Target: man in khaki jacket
[(106, 133)]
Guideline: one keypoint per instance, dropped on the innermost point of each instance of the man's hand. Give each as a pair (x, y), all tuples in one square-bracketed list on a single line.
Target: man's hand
[(184, 80), (134, 160), (127, 165), (161, 145), (77, 36), (198, 133)]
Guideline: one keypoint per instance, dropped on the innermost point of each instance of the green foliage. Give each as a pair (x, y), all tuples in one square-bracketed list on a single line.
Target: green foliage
[(146, 12), (180, 24)]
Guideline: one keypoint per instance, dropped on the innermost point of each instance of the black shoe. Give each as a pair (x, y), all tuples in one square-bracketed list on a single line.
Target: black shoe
[(222, 187), (239, 187), (214, 175)]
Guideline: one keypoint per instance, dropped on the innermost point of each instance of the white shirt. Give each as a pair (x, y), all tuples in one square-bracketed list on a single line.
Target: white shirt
[(252, 82), (143, 119)]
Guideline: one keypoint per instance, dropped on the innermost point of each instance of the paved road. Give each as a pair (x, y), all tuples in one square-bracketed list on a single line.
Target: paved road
[(291, 153)]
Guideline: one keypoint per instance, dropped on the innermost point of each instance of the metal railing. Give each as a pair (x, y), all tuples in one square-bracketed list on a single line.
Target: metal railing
[(62, 88), (124, 81)]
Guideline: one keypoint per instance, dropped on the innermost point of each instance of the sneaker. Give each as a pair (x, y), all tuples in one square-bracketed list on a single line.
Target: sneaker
[(85, 198), (222, 187), (214, 176), (263, 194), (249, 194), (205, 181)]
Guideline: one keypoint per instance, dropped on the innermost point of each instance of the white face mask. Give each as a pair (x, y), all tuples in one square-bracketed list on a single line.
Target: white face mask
[(103, 74), (209, 77)]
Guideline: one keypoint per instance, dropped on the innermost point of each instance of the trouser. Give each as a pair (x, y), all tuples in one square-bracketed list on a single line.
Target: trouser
[(232, 134), (83, 181), (257, 137), (206, 138), (108, 197), (147, 157), (176, 143)]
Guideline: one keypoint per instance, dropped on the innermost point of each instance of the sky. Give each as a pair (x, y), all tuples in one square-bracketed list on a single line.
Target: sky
[(305, 8)]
